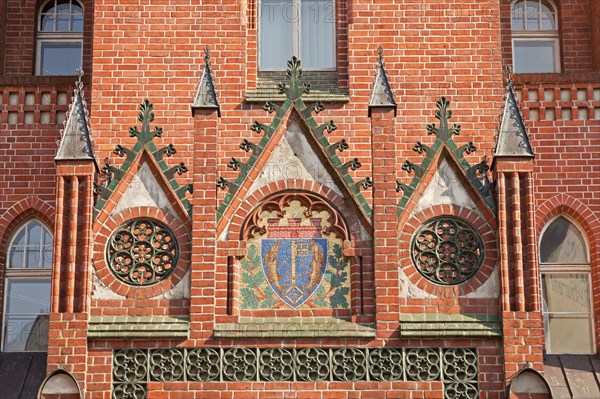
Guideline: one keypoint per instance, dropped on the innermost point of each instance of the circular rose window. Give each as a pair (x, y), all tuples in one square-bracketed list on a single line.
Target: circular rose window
[(142, 252), (447, 251)]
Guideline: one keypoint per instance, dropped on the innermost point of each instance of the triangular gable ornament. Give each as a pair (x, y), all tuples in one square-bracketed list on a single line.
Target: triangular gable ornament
[(76, 142)]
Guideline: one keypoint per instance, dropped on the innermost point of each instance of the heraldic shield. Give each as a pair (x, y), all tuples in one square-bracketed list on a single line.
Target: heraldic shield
[(294, 259)]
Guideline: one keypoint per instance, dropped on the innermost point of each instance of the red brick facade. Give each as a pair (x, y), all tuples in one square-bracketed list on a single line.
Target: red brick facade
[(141, 49)]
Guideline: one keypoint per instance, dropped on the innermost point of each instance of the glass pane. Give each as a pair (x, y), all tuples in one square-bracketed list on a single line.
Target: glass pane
[(566, 292), (275, 38), (28, 295), (26, 333), (34, 231), (317, 32), (47, 22), (548, 21), (77, 23), (534, 56), (60, 58), (568, 334), (63, 15), (47, 258), (562, 242), (20, 237), (518, 16), (15, 260), (532, 16)]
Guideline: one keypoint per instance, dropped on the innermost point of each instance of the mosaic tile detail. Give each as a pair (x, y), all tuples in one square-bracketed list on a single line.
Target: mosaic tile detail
[(166, 365), (423, 364), (385, 364), (294, 257), (447, 250), (456, 368), (203, 364), (239, 364)]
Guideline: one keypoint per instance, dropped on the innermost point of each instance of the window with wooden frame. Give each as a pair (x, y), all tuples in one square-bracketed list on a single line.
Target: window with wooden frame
[(27, 289), (59, 38), (303, 28), (566, 289), (535, 38)]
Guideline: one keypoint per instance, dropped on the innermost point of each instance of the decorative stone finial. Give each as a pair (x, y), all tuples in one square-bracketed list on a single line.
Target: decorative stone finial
[(381, 93), (512, 138), (206, 95), (76, 142)]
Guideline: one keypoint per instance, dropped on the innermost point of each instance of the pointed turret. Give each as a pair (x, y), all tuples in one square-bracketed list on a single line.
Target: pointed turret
[(206, 95), (381, 94), (76, 142), (512, 135)]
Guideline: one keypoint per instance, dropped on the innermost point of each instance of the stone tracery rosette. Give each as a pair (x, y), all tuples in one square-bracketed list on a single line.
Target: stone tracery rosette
[(142, 252), (447, 250)]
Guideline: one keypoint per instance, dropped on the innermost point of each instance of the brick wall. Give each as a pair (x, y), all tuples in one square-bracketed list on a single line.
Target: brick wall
[(149, 49)]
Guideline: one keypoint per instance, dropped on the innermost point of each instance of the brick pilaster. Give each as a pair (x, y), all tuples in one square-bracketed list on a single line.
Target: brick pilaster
[(385, 221), (203, 268), (67, 344), (522, 323)]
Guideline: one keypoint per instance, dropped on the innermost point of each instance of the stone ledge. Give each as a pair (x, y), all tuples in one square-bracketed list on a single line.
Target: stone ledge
[(113, 327), (294, 327), (442, 325), (313, 96)]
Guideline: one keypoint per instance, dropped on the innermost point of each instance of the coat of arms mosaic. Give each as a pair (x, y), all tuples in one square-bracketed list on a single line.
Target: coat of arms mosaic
[(295, 258)]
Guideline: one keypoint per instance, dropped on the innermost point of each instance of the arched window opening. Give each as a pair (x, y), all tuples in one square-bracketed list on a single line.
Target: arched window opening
[(27, 289), (566, 289), (59, 38), (534, 25)]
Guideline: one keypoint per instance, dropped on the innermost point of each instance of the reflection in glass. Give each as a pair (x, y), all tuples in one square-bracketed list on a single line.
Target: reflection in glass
[(563, 243), (567, 312), (60, 58), (534, 55), (31, 247), (26, 333)]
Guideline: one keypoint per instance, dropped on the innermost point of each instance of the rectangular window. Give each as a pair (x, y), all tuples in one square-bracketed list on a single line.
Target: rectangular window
[(535, 55), (567, 313), (59, 58), (26, 314), (304, 28)]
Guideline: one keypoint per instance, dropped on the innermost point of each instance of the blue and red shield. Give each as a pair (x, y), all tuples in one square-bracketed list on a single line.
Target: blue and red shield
[(294, 267)]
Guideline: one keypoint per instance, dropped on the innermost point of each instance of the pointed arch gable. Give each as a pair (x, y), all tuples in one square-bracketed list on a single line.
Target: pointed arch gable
[(294, 113), (445, 154)]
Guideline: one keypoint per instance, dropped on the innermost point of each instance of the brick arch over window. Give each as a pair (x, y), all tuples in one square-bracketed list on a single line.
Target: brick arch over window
[(486, 230), (28, 208), (564, 204), (337, 202)]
